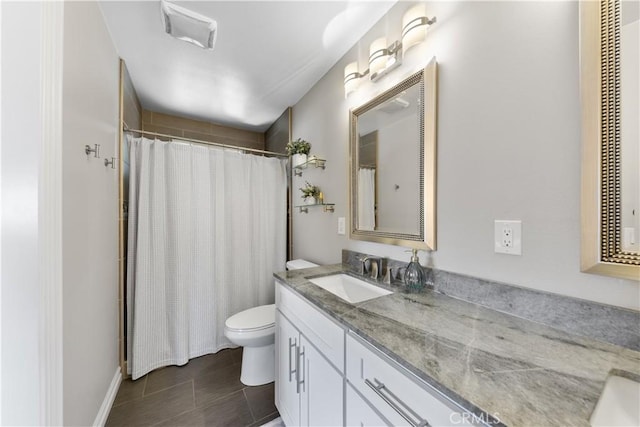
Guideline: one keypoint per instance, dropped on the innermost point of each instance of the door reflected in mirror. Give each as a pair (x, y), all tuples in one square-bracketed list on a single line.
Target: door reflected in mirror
[(630, 127), (393, 164)]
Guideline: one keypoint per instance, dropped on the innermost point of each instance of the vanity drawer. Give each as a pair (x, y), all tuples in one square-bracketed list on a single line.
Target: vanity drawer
[(359, 413), (399, 396), (323, 332)]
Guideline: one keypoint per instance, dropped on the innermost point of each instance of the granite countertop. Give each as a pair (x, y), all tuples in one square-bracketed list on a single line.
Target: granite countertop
[(516, 371)]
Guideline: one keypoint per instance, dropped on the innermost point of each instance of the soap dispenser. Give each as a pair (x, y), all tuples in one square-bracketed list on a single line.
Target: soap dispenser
[(414, 277)]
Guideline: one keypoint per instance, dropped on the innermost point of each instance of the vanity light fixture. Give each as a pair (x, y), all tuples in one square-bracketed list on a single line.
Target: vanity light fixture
[(352, 78), (189, 26), (414, 26), (384, 58)]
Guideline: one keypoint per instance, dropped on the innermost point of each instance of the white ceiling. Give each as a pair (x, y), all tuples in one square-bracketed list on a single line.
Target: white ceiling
[(268, 54)]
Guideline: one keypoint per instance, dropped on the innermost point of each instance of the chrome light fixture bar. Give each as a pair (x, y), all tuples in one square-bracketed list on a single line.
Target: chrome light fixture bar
[(384, 58)]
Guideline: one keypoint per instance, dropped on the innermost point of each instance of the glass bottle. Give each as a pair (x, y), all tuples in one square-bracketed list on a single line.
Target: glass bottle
[(414, 277)]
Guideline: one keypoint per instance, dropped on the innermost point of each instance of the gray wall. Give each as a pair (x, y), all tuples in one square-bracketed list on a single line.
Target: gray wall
[(90, 213), (508, 145)]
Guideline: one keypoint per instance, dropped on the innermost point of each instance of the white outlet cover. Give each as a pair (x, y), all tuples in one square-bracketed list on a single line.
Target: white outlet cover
[(341, 226), (503, 228)]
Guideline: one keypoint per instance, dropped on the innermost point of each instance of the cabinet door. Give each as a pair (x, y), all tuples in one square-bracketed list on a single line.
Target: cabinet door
[(321, 388), (287, 397), (359, 413)]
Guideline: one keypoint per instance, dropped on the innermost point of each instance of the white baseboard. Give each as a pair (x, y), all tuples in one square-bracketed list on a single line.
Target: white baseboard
[(105, 408)]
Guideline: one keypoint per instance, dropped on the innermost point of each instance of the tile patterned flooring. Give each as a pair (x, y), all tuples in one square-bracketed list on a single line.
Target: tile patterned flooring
[(205, 392)]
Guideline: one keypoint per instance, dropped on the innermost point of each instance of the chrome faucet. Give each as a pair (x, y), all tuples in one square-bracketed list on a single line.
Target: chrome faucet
[(375, 266), (389, 276)]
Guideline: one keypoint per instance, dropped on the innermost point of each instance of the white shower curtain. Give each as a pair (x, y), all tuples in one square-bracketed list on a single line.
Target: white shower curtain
[(207, 229), (366, 199)]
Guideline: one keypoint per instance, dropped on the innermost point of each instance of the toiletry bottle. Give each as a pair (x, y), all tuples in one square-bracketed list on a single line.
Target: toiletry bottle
[(414, 278)]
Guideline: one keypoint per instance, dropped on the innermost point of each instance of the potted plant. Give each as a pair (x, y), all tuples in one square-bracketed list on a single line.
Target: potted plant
[(310, 193), (298, 150)]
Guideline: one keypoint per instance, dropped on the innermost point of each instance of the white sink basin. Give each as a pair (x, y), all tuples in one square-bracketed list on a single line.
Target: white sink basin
[(619, 404), (349, 288)]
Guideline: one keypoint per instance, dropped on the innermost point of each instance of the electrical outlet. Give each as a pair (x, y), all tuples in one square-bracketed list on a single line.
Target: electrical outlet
[(508, 237)]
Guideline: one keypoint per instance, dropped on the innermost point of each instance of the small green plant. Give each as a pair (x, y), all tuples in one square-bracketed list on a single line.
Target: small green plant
[(299, 146), (310, 190)]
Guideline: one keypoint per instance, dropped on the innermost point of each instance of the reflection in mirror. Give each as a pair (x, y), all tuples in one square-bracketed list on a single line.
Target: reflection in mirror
[(367, 188), (390, 131), (630, 126), (393, 164)]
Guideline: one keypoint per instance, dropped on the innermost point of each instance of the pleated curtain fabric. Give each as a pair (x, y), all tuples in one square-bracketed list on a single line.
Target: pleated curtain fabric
[(207, 229)]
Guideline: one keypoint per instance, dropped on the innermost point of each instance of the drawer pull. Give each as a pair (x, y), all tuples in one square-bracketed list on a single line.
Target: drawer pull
[(291, 371), (380, 389)]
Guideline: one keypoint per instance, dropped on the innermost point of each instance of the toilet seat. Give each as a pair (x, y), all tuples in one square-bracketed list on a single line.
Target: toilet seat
[(253, 319)]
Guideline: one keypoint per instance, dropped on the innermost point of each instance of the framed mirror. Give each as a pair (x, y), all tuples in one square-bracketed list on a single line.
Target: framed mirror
[(609, 34), (393, 164)]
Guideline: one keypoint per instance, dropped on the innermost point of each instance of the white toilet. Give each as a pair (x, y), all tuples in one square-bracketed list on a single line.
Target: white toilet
[(254, 329)]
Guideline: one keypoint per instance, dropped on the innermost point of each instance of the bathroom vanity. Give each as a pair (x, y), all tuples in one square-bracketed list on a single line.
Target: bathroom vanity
[(428, 359), (316, 355)]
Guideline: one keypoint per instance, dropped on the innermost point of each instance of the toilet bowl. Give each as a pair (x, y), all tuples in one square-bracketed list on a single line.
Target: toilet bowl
[(254, 329)]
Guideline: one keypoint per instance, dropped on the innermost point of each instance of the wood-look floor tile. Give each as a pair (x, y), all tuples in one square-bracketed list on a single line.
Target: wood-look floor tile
[(130, 390), (217, 384), (261, 400), (230, 410), (200, 366), (236, 354), (154, 408)]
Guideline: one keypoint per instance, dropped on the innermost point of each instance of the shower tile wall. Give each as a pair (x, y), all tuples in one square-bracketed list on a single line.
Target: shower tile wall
[(196, 129), (279, 133)]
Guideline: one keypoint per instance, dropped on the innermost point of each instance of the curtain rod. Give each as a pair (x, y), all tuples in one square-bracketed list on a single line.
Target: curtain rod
[(199, 141)]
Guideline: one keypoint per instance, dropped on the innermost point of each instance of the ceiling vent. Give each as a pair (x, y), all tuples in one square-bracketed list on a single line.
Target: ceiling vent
[(189, 26), (394, 105)]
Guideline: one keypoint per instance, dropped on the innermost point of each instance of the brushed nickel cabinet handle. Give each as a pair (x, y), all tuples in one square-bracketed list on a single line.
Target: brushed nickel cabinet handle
[(304, 373), (297, 370), (400, 407), (291, 371)]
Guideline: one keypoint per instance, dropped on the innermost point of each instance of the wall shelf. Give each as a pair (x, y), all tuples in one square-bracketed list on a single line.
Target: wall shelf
[(328, 207), (312, 162)]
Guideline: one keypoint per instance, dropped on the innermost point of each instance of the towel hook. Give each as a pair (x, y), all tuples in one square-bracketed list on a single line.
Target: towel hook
[(95, 151), (111, 162)]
